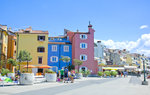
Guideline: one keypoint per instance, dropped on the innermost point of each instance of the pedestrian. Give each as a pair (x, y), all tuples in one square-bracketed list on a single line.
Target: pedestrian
[(124, 74), (72, 76), (119, 73), (66, 75), (61, 74)]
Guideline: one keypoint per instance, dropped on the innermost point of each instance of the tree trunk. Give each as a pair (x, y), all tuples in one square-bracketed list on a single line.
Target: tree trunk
[(78, 68), (27, 66)]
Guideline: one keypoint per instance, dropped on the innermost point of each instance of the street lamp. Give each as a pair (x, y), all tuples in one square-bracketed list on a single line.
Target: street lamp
[(144, 82)]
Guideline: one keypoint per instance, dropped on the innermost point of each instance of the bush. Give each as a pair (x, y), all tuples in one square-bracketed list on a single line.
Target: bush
[(100, 73), (107, 73), (113, 73), (4, 71), (50, 71), (86, 73)]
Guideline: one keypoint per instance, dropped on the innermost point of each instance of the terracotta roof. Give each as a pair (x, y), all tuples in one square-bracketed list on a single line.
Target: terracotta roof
[(39, 31), (33, 32)]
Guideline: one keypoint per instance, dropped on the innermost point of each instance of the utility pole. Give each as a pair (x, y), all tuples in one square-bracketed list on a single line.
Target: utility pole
[(144, 82)]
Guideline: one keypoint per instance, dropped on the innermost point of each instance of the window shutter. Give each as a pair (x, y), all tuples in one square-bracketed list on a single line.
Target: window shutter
[(43, 49), (37, 37), (44, 38), (37, 49), (80, 45)]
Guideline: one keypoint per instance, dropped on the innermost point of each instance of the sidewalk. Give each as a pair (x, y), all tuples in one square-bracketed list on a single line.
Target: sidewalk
[(23, 88)]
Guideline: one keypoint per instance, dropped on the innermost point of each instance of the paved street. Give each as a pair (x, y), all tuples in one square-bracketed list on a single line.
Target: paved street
[(86, 86)]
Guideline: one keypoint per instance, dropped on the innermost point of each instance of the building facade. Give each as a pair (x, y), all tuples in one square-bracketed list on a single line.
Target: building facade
[(59, 47), (3, 42), (83, 48), (99, 50), (36, 43), (11, 51)]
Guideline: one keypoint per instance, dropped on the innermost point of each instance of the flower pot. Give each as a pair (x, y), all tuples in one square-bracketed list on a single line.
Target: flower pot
[(51, 77), (112, 76), (26, 79), (100, 76), (11, 75), (79, 75)]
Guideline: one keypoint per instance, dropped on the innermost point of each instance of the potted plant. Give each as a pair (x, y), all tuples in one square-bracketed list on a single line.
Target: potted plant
[(85, 73), (11, 63), (113, 73), (4, 71), (78, 63), (50, 76), (107, 74), (25, 77), (100, 74)]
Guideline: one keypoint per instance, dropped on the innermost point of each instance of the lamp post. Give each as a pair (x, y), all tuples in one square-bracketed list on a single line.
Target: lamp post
[(144, 82)]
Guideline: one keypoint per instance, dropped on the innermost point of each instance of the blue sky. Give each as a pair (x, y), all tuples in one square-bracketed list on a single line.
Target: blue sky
[(116, 20)]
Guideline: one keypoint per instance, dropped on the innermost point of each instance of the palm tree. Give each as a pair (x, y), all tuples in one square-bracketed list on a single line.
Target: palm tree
[(77, 63), (65, 59), (2, 62), (11, 62)]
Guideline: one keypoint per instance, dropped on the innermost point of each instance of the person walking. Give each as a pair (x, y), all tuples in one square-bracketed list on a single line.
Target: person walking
[(72, 76), (61, 74), (66, 75)]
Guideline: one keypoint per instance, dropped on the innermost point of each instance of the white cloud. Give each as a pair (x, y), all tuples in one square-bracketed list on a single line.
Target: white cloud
[(142, 45), (143, 26)]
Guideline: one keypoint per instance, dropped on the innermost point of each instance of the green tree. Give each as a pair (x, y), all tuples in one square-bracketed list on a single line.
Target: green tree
[(24, 56), (2, 63), (19, 58), (65, 59), (77, 63), (11, 62)]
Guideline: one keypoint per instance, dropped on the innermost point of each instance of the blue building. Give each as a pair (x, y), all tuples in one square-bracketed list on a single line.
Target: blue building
[(58, 47)]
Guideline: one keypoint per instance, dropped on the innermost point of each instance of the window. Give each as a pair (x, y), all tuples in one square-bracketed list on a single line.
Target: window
[(39, 60), (66, 48), (83, 36), (83, 57), (54, 59), (41, 38), (83, 45), (40, 49), (54, 47), (15, 43)]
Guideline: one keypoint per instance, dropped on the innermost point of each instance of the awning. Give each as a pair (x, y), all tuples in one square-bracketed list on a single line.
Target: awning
[(30, 66), (130, 67), (44, 66), (113, 68)]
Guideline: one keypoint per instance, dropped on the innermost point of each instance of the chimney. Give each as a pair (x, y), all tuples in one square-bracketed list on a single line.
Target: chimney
[(90, 27)]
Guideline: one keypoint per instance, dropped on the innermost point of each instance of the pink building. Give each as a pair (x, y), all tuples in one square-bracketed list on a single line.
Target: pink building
[(83, 48)]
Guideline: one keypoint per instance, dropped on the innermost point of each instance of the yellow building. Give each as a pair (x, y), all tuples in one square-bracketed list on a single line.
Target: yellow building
[(11, 51), (3, 42), (36, 43)]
